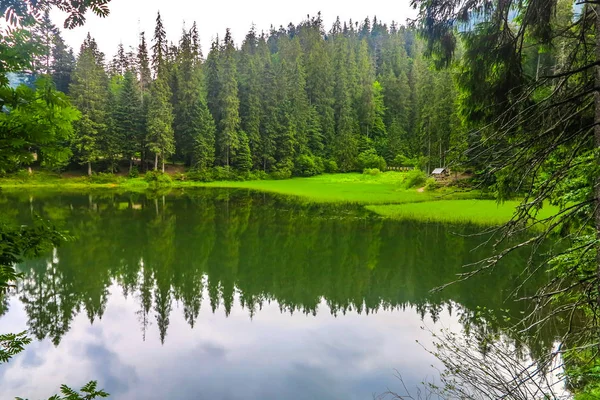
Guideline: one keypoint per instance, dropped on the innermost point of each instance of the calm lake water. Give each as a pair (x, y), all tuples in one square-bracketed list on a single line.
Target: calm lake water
[(217, 294)]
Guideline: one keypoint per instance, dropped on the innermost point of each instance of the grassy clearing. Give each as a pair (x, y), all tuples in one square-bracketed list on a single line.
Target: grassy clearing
[(384, 194), (386, 188), (481, 212)]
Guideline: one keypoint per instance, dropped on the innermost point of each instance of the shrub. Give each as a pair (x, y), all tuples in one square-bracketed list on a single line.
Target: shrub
[(134, 172), (157, 178), (415, 178), (282, 173), (330, 166), (225, 174), (307, 165), (369, 159), (23, 175), (431, 184), (259, 175), (200, 175), (371, 171), (102, 177), (402, 161)]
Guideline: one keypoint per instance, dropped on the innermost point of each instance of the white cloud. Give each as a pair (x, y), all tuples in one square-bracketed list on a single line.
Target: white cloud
[(128, 17)]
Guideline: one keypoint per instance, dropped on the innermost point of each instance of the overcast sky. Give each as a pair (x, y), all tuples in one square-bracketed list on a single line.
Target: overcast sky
[(128, 17)]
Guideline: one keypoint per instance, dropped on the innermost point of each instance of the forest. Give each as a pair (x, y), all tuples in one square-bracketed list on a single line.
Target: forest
[(505, 91), (297, 101)]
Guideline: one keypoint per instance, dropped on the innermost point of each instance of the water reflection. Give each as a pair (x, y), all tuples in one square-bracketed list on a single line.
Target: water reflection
[(227, 294)]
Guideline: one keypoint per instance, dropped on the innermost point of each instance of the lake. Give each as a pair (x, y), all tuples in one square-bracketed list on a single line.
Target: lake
[(228, 294)]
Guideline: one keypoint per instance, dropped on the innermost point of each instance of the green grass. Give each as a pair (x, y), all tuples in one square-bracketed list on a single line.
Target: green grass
[(481, 212), (384, 194), (386, 188)]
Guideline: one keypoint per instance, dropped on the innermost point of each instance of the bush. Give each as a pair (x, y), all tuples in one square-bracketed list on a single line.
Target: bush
[(369, 159), (23, 175), (431, 184), (225, 174), (259, 175), (371, 171), (415, 178), (200, 175), (134, 172), (102, 177), (306, 165), (402, 161), (158, 178), (330, 166), (282, 173)]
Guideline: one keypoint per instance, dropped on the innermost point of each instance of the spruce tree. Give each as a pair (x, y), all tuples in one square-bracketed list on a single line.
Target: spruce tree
[(129, 121), (43, 36), (143, 63), (63, 62), (228, 104), (159, 139), (160, 46), (89, 93)]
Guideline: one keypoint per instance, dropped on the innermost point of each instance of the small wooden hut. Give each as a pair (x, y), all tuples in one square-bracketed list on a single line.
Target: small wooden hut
[(439, 173)]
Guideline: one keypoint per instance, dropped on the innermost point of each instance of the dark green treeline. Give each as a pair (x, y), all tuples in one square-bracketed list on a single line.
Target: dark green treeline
[(223, 244), (298, 100)]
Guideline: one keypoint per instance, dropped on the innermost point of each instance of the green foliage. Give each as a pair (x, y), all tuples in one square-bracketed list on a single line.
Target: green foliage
[(371, 171), (12, 344), (369, 159), (431, 184), (281, 173), (307, 165), (89, 391), (102, 177), (225, 174), (330, 166), (158, 179), (133, 172), (415, 178), (402, 161), (35, 120), (159, 139)]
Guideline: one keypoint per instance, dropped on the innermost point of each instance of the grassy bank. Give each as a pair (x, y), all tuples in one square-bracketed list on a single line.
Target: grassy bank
[(385, 194), (482, 212)]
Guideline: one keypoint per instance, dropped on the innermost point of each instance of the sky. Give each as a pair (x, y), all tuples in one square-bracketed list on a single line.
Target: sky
[(129, 17)]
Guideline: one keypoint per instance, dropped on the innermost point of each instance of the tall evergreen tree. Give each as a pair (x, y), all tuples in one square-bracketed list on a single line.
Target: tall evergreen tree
[(228, 103), (63, 62), (160, 46), (160, 140), (129, 117), (143, 63), (89, 93)]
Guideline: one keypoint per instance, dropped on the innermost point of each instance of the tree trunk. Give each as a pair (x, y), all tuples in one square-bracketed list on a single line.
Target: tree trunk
[(89, 168), (163, 164), (156, 161), (130, 164)]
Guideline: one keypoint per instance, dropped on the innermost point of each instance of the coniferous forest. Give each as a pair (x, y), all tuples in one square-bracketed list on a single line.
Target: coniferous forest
[(300, 100)]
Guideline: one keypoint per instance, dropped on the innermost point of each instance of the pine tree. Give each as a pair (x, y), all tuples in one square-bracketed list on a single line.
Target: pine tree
[(43, 36), (194, 126), (160, 138), (160, 46), (228, 104), (63, 62), (89, 93), (212, 69), (129, 121), (250, 72), (345, 144), (319, 83), (143, 63), (243, 158)]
